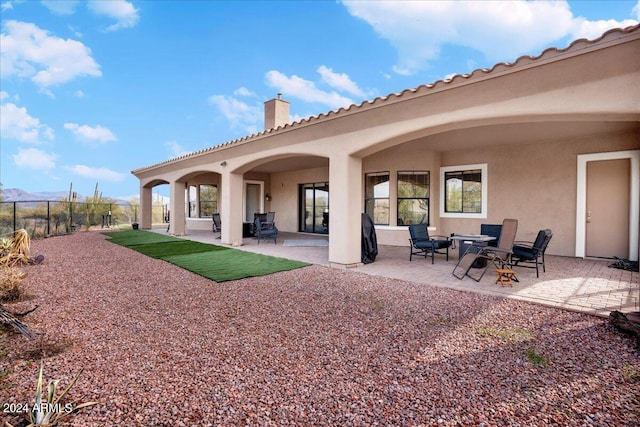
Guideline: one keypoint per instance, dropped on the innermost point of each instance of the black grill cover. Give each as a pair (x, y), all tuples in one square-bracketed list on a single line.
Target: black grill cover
[(369, 240)]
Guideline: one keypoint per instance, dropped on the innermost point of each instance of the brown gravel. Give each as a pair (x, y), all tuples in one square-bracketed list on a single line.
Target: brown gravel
[(315, 346)]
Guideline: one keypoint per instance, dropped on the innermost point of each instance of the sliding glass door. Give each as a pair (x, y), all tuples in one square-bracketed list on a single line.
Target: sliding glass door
[(314, 208)]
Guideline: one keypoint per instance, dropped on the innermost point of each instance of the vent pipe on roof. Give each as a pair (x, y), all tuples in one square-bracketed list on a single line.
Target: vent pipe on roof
[(276, 113)]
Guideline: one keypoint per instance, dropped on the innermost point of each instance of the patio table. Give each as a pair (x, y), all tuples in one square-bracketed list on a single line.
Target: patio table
[(475, 240)]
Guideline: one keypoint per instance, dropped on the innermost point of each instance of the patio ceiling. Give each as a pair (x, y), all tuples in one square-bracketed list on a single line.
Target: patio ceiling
[(518, 133), (292, 164), (472, 137)]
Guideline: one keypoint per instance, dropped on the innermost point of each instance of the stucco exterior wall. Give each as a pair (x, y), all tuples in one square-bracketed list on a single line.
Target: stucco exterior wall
[(534, 183), (284, 192), (405, 158)]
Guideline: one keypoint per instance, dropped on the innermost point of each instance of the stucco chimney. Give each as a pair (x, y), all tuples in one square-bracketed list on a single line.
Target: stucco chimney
[(276, 113)]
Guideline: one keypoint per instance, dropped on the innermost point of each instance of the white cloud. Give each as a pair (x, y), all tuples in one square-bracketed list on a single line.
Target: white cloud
[(33, 158), (240, 114), (6, 6), (16, 123), (340, 81), (78, 94), (636, 10), (501, 30), (61, 7), (306, 90), (30, 52), (583, 28), (243, 91), (88, 133), (175, 149), (103, 174), (122, 11)]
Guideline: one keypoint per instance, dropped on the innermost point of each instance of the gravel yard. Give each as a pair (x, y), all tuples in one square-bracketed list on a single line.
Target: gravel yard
[(161, 346)]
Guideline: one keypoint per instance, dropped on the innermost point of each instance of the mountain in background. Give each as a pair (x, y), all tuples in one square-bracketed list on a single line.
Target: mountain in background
[(19, 195)]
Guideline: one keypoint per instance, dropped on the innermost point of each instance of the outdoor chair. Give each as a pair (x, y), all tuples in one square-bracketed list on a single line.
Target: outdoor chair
[(532, 252), (265, 231), (492, 230), (270, 219), (422, 244), (217, 223), (478, 257)]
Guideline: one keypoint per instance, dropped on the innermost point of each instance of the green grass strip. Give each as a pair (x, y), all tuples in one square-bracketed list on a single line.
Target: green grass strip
[(233, 264), (182, 247), (138, 237), (214, 262)]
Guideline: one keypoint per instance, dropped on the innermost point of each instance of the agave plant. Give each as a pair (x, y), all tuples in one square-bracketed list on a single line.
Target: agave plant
[(49, 410), (5, 245)]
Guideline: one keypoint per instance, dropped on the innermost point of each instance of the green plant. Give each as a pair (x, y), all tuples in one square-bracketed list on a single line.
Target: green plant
[(630, 373), (536, 358), (377, 305), (5, 245), (505, 334), (49, 410)]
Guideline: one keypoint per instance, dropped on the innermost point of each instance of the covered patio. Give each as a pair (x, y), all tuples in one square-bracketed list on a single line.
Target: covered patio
[(583, 285)]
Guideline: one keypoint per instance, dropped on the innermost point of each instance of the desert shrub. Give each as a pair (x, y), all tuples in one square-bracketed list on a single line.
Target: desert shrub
[(10, 279)]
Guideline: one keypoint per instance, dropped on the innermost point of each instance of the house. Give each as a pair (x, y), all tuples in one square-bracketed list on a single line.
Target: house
[(552, 140)]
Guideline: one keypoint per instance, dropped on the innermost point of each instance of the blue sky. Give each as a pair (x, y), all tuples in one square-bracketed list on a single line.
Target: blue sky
[(91, 90)]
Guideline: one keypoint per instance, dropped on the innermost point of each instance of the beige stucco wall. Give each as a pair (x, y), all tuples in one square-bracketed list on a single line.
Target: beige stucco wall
[(408, 157), (534, 183), (284, 192)]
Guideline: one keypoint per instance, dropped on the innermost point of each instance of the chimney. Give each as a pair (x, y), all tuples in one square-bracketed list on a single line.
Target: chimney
[(276, 113)]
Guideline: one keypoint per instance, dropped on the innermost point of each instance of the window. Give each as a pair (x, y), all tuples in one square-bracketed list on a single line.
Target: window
[(463, 191), (376, 194), (208, 200), (203, 200), (413, 198)]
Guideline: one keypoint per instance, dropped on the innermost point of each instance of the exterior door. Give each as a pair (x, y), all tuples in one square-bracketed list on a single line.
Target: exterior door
[(608, 207), (314, 208), (253, 200)]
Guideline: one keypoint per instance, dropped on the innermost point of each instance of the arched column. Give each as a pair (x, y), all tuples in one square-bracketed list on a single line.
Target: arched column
[(146, 208), (345, 186), (230, 206), (177, 222)]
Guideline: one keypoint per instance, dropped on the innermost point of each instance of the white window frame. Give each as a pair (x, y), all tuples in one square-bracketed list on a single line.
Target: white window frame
[(485, 179)]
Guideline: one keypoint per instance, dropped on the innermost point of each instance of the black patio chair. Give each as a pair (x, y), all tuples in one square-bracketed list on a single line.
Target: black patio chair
[(492, 230), (217, 223), (532, 252), (270, 219), (478, 257), (265, 231), (422, 244)]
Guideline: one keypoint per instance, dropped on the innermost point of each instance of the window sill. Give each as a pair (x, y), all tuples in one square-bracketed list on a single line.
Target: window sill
[(399, 227)]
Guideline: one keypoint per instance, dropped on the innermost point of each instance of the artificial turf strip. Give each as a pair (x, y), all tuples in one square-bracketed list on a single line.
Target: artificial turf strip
[(138, 237), (232, 264), (182, 247), (214, 262)]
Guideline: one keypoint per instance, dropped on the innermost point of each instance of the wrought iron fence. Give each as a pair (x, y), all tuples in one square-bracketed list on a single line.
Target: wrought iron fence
[(45, 217)]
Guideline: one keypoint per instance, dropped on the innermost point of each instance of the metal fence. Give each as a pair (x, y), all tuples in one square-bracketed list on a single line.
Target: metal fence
[(44, 218)]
